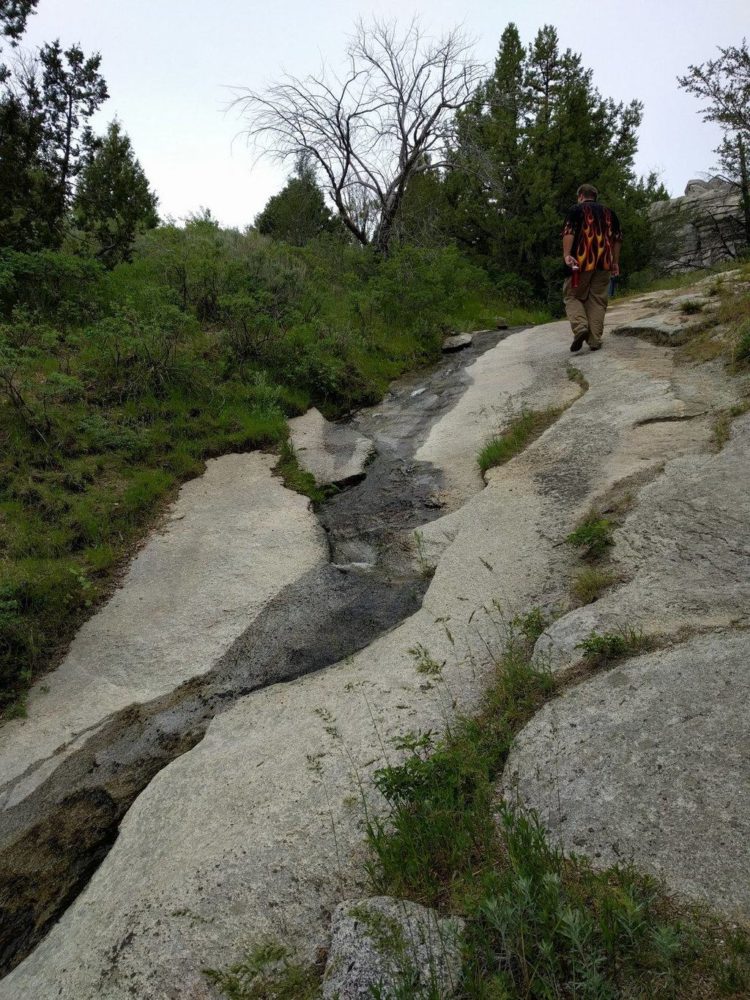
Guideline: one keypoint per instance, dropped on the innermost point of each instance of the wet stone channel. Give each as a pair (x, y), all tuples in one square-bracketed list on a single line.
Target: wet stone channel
[(52, 841)]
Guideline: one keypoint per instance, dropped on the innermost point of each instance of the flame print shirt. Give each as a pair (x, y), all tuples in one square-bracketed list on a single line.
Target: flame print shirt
[(595, 230)]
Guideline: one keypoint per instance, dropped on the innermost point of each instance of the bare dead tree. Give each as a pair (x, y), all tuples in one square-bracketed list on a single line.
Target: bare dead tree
[(389, 116)]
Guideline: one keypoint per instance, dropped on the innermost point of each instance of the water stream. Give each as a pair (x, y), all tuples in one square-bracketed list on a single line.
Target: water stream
[(54, 839)]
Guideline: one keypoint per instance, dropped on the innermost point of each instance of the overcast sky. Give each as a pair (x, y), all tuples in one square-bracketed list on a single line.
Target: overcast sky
[(170, 66)]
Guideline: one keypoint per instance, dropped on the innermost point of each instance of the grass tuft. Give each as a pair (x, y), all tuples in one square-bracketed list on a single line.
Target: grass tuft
[(590, 583), (522, 430), (691, 307), (577, 376), (296, 478), (601, 649), (593, 534)]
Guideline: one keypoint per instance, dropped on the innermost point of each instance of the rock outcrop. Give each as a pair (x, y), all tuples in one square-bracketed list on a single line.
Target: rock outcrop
[(701, 228), (257, 831)]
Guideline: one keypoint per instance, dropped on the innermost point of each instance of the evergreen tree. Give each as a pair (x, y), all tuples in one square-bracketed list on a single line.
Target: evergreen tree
[(536, 130), (45, 106), (298, 213), (113, 201), (13, 17), (27, 214), (72, 89)]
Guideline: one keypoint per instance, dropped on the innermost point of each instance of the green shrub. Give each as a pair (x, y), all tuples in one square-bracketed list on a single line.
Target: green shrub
[(50, 285), (268, 973), (116, 386), (601, 649), (593, 534), (538, 925), (691, 307)]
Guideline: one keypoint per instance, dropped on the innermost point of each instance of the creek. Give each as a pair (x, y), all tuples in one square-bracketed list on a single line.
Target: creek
[(53, 840)]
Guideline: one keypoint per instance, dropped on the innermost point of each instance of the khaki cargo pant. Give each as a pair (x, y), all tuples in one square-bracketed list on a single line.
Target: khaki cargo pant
[(586, 305)]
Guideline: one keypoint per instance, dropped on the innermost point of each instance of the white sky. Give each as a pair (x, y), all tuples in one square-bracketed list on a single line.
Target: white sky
[(170, 66)]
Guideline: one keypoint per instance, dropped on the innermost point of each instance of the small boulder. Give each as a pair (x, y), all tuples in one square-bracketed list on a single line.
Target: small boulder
[(501, 323), (334, 453), (457, 342), (383, 946)]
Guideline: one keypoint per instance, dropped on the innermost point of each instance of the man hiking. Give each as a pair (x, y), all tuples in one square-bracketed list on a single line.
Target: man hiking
[(592, 238)]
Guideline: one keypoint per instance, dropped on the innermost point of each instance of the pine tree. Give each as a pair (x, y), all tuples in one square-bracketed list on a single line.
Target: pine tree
[(298, 213), (536, 130), (13, 17), (113, 201), (72, 89)]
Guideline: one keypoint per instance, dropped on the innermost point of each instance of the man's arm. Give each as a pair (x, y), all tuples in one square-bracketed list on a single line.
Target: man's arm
[(616, 247), (567, 247)]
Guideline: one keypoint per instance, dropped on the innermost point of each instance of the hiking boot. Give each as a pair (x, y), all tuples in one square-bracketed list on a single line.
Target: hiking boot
[(578, 341), (595, 347)]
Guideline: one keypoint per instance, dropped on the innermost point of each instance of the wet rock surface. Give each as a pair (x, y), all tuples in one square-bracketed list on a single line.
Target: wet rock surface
[(61, 817)]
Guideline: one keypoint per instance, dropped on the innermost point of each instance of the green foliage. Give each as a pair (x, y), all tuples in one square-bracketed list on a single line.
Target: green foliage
[(113, 201), (537, 924), (295, 477), (742, 350), (691, 307), (298, 213), (49, 285), (521, 431), (536, 129), (529, 626), (593, 534), (13, 17), (441, 796), (599, 650), (425, 662), (116, 385), (723, 85), (268, 973), (44, 140)]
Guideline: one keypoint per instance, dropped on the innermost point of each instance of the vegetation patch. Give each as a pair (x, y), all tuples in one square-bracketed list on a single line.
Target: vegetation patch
[(539, 925), (298, 479), (577, 376), (742, 345), (116, 386), (593, 535), (722, 425), (691, 307), (268, 973), (522, 430), (590, 582), (602, 649)]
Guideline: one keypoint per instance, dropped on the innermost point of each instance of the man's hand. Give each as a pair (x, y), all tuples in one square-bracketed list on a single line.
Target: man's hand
[(571, 261), (615, 270)]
